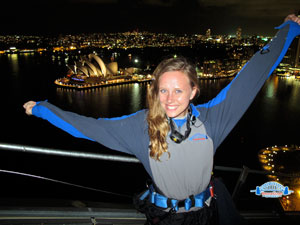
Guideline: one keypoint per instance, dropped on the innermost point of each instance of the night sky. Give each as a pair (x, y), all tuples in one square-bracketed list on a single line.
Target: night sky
[(168, 16)]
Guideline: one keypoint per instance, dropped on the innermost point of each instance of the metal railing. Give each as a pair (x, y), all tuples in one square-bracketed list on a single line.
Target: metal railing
[(67, 153), (112, 216), (59, 152), (118, 158)]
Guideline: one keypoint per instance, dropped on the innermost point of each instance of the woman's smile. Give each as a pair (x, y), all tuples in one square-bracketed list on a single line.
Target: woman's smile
[(175, 93)]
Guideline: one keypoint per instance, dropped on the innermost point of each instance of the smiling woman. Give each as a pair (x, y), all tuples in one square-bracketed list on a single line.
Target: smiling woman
[(175, 93), (170, 94), (183, 187)]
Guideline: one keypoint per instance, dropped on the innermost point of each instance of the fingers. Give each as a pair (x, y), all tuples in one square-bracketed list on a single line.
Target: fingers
[(28, 107), (292, 17)]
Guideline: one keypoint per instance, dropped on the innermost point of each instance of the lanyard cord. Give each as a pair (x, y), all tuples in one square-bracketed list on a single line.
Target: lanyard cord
[(63, 182)]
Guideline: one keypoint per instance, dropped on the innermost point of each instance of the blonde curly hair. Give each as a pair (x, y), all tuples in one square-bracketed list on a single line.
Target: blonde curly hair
[(158, 126)]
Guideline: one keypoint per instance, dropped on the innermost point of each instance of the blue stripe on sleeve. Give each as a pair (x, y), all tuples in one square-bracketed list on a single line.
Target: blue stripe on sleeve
[(45, 113)]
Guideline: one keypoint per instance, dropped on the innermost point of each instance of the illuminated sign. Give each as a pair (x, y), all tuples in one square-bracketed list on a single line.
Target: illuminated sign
[(272, 189)]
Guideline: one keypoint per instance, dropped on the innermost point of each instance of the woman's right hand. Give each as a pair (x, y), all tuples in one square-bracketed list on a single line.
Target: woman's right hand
[(28, 107), (292, 17)]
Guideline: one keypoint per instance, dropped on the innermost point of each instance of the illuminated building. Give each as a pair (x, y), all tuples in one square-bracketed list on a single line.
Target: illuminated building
[(208, 34), (239, 34), (91, 71), (290, 64), (93, 66)]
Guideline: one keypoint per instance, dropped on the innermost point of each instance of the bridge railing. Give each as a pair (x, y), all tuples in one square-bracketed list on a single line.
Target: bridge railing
[(244, 172)]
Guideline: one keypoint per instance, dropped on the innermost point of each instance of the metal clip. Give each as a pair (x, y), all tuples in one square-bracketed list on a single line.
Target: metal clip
[(93, 220), (265, 49)]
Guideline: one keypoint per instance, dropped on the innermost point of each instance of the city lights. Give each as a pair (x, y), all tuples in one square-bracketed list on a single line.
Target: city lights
[(280, 161), (239, 48)]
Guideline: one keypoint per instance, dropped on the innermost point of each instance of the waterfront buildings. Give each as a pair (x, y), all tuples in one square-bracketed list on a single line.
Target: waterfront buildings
[(236, 50), (91, 72), (125, 40), (290, 65)]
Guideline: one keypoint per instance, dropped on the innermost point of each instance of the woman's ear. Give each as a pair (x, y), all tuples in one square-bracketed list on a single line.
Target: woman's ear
[(194, 92)]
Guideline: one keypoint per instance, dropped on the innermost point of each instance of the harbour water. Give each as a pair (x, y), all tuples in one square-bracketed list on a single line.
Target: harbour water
[(273, 118)]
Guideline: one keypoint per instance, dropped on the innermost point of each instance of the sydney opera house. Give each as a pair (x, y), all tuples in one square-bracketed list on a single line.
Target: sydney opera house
[(93, 66), (91, 71)]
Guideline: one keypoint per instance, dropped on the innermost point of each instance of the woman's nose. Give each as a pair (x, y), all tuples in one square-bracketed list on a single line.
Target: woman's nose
[(170, 97)]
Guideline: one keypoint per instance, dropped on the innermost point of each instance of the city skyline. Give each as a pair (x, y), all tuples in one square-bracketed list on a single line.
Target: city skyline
[(165, 16)]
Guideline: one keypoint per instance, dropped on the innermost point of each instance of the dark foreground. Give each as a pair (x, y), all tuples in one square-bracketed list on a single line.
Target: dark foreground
[(76, 212)]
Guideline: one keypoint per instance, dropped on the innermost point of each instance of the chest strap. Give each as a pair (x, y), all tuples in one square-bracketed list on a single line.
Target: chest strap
[(164, 202)]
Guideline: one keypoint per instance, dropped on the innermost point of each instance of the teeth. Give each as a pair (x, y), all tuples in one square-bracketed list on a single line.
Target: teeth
[(171, 107)]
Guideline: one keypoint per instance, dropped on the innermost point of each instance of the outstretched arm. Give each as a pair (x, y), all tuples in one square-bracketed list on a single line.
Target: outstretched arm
[(224, 111), (126, 134)]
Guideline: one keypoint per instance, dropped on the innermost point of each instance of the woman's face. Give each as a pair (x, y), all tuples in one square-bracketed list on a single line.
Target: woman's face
[(175, 93)]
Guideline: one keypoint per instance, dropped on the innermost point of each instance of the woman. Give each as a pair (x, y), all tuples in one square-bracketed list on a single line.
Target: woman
[(175, 140)]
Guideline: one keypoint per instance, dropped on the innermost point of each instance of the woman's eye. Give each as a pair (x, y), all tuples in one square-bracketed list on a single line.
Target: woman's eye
[(163, 91)]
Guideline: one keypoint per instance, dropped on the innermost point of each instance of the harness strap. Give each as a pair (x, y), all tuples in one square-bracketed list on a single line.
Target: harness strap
[(164, 202)]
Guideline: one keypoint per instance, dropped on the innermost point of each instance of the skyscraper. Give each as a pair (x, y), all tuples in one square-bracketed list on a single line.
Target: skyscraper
[(239, 33), (208, 33)]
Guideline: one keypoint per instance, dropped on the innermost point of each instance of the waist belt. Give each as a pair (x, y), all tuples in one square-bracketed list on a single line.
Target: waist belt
[(165, 202)]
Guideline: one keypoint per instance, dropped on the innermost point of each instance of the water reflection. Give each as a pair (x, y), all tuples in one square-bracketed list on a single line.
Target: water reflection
[(14, 61), (105, 101), (136, 97), (271, 88), (294, 98)]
